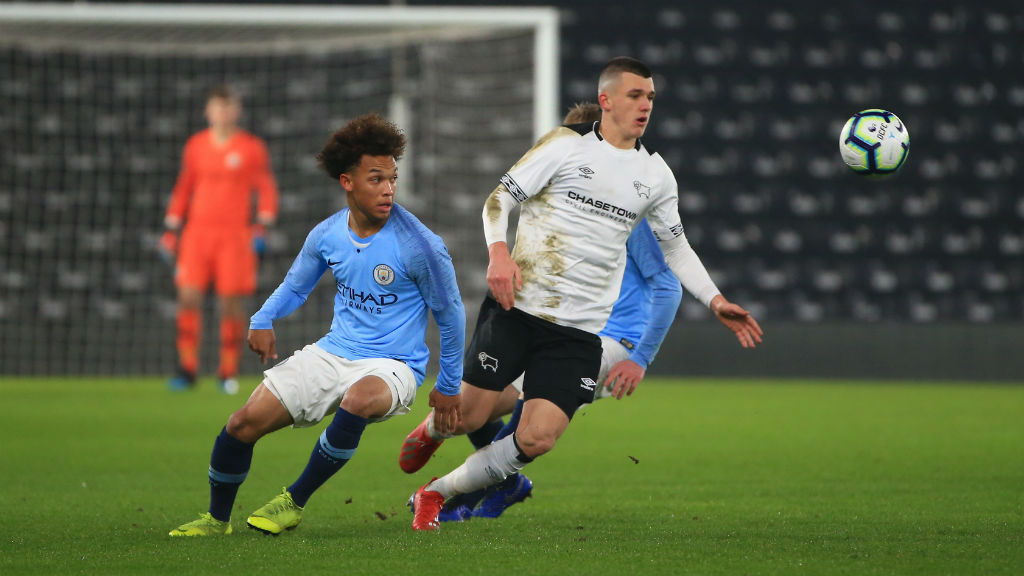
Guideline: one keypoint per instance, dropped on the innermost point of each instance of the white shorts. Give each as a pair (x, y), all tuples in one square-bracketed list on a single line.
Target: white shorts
[(612, 352), (311, 383)]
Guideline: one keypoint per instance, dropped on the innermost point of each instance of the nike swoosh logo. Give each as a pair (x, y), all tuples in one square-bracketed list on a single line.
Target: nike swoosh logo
[(329, 263)]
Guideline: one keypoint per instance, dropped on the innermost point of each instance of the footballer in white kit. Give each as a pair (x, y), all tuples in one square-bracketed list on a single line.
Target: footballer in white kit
[(581, 189), (580, 199)]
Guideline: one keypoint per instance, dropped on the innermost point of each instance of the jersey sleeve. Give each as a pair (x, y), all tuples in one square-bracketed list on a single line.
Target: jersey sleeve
[(429, 265), (528, 177), (663, 215), (535, 169), (666, 294), (183, 188), (302, 277), (265, 185), (679, 255), (642, 247)]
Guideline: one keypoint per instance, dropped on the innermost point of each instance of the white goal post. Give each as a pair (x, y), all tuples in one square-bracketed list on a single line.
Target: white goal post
[(97, 100), (375, 19)]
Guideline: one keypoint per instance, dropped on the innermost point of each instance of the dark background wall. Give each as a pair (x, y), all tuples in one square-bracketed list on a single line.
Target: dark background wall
[(915, 276)]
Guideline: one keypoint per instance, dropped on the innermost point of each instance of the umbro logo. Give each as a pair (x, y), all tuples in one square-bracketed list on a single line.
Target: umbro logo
[(588, 384), (488, 362), (586, 172)]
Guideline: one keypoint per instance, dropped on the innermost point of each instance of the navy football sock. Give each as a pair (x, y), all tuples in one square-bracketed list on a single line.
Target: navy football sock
[(336, 446), (485, 434), (513, 422), (229, 465)]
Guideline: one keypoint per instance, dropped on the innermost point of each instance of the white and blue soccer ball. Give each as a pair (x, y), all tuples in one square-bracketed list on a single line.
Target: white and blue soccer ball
[(874, 142)]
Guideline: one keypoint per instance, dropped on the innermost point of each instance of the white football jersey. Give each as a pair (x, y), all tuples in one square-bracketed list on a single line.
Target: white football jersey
[(580, 199)]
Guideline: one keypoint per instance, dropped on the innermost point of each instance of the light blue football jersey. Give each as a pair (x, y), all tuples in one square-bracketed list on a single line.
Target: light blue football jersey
[(645, 272), (385, 285)]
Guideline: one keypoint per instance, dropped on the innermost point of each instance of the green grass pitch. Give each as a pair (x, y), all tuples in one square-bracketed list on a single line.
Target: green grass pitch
[(685, 477)]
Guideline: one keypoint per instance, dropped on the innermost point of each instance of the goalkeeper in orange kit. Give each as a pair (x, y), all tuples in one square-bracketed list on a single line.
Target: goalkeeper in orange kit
[(210, 233)]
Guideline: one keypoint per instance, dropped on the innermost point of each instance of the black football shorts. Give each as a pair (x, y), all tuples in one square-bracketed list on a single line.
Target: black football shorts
[(561, 363)]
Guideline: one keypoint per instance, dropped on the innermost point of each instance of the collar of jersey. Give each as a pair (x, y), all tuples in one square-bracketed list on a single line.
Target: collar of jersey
[(352, 238), (597, 132)]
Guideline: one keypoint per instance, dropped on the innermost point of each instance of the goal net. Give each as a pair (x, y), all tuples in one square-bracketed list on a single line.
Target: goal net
[(96, 102)]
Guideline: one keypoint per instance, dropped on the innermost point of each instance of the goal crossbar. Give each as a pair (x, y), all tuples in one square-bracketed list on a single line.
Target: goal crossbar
[(387, 20)]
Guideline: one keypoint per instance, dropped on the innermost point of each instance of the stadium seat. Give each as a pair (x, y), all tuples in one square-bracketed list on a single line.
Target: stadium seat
[(750, 100)]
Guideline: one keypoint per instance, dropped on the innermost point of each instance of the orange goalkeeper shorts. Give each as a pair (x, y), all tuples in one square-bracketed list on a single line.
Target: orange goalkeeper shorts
[(224, 256)]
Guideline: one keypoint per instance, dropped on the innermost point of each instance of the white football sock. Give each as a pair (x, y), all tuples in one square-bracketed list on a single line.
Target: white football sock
[(488, 465), (432, 432)]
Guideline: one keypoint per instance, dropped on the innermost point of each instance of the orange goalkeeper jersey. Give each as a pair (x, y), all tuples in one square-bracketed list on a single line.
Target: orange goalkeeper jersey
[(216, 183)]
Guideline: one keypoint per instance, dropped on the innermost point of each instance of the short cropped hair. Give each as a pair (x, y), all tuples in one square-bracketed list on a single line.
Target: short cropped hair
[(583, 113), (222, 91), (366, 135), (616, 66)]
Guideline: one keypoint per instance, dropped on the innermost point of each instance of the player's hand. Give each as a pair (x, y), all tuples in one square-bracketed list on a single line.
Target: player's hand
[(503, 275), (735, 318), (168, 246), (447, 412), (264, 343), (259, 240), (623, 378)]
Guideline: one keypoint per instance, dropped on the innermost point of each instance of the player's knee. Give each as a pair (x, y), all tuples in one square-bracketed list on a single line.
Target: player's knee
[(472, 420), (534, 445), (365, 404), (243, 427)]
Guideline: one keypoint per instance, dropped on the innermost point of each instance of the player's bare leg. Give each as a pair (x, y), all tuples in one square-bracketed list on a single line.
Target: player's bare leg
[(367, 399), (462, 506), (506, 403), (540, 427), (262, 414), (477, 406)]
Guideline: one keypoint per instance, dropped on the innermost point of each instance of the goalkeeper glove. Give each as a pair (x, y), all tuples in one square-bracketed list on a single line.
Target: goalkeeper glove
[(168, 247), (259, 240)]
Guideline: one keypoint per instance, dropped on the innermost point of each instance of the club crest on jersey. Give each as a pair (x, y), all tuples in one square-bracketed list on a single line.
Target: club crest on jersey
[(586, 172), (383, 274), (588, 384), (488, 362), (642, 190), (233, 160)]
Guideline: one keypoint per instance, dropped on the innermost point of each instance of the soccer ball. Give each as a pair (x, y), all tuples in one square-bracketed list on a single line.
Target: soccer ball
[(874, 142)]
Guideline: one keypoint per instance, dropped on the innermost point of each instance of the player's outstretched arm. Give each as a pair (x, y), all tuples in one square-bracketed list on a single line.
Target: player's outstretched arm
[(740, 321), (264, 343), (687, 267)]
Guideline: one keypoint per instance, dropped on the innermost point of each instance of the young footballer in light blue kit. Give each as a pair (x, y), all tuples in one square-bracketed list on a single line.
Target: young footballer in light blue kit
[(389, 269)]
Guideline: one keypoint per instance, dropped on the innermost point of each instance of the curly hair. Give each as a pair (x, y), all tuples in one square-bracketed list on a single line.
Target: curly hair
[(366, 135)]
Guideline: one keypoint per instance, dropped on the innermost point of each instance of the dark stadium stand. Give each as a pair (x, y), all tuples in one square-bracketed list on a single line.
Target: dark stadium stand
[(751, 99)]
